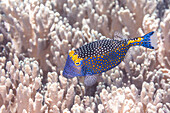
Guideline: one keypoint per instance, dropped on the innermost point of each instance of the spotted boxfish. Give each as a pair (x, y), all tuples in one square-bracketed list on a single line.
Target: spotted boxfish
[(102, 55)]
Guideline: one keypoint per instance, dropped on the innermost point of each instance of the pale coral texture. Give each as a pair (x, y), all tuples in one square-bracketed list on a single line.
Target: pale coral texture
[(36, 35)]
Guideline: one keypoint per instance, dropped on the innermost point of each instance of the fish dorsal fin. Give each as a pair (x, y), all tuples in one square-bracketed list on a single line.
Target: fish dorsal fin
[(119, 36)]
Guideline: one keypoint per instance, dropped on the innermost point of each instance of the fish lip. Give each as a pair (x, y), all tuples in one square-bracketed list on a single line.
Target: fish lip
[(66, 75)]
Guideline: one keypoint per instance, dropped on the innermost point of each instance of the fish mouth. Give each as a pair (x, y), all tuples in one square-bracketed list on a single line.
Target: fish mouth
[(66, 75)]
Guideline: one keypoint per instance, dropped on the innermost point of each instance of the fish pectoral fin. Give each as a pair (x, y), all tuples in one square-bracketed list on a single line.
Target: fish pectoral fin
[(90, 80)]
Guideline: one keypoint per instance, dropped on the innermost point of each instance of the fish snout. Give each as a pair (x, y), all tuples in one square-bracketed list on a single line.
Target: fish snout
[(67, 75)]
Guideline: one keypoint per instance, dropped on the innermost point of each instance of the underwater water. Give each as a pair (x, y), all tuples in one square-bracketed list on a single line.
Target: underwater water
[(35, 40)]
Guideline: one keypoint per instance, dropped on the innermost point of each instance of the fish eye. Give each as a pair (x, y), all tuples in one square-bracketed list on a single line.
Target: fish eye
[(77, 63)]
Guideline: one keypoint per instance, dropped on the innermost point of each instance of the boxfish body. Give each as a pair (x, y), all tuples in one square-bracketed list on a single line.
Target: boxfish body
[(102, 55)]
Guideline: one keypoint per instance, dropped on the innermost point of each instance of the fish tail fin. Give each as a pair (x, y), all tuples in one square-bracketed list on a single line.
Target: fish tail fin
[(149, 40)]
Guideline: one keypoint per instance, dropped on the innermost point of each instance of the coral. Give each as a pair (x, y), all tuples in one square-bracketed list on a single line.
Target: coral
[(124, 99), (35, 37), (164, 52)]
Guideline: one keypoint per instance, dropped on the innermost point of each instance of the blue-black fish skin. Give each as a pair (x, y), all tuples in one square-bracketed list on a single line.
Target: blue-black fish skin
[(71, 70), (100, 56), (107, 55)]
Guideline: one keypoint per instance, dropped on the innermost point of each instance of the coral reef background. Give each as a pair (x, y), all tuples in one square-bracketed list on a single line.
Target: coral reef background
[(35, 37)]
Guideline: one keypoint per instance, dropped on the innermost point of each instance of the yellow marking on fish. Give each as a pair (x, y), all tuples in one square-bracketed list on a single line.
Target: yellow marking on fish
[(138, 40), (75, 58), (71, 53)]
